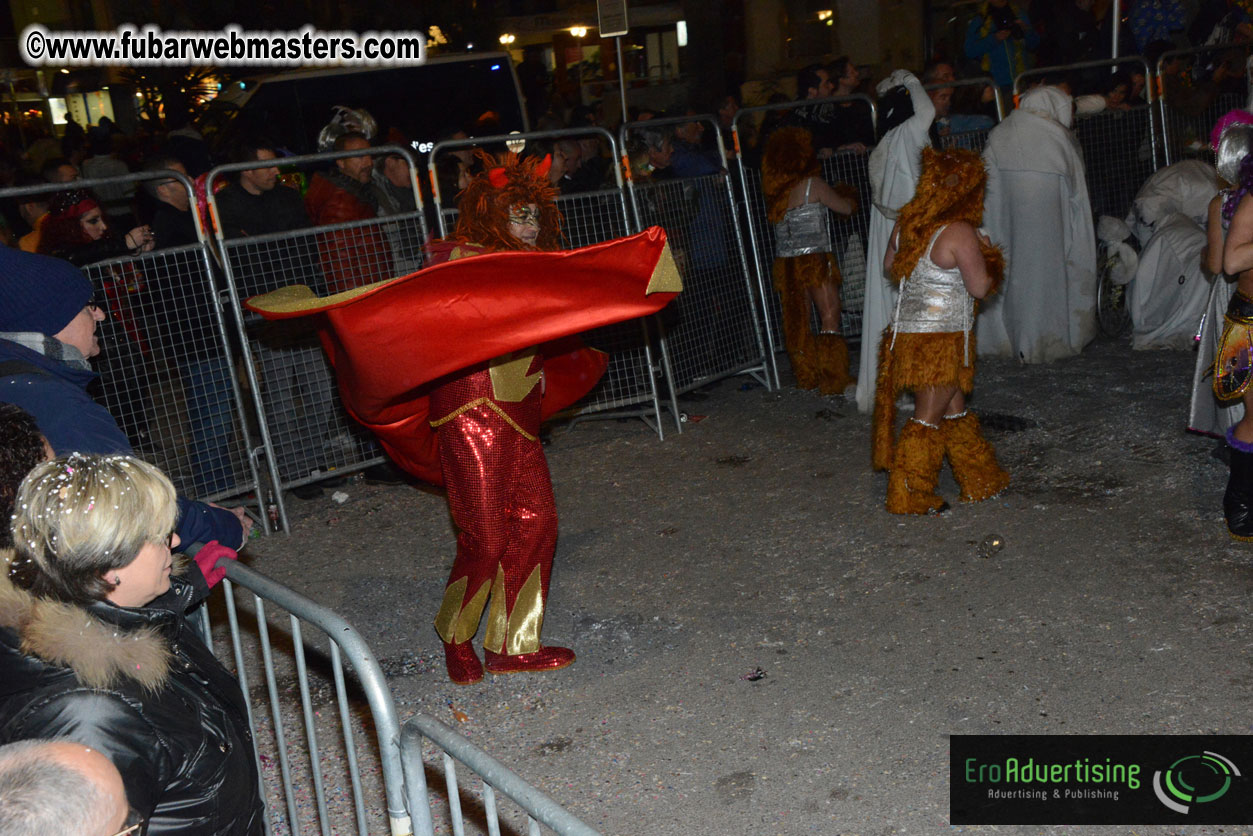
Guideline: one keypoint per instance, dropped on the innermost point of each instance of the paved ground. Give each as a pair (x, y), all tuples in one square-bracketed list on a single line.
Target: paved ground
[(757, 540)]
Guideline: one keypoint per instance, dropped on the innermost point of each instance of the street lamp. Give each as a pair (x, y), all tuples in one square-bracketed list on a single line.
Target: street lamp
[(578, 31), (507, 39)]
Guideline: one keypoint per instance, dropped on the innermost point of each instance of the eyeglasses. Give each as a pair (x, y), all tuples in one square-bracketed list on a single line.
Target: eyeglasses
[(130, 831)]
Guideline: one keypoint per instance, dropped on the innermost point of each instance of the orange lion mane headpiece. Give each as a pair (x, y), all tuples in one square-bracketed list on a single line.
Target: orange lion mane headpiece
[(789, 158), (483, 208), (950, 189)]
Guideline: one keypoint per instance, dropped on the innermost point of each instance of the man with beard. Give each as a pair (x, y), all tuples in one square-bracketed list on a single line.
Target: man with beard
[(355, 256)]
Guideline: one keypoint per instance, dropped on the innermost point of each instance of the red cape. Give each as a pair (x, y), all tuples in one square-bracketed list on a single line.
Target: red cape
[(391, 341)]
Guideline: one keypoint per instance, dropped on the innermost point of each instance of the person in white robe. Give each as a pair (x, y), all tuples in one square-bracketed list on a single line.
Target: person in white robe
[(1168, 293), (1036, 208), (894, 166)]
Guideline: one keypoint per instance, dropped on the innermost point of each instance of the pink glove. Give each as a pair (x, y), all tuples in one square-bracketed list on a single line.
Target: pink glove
[(210, 553)]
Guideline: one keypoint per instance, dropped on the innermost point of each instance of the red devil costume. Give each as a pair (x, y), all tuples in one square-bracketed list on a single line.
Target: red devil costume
[(480, 348)]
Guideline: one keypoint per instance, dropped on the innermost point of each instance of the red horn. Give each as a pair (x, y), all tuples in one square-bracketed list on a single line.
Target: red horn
[(545, 165), (498, 178)]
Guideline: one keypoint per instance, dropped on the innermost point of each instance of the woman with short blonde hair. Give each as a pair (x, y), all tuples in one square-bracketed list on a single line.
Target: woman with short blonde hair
[(95, 648), (72, 552)]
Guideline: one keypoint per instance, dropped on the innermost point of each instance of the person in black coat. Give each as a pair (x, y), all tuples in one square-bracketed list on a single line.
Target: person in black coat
[(95, 648)]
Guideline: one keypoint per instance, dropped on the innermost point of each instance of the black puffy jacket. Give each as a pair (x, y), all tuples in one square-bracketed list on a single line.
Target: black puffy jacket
[(141, 687)]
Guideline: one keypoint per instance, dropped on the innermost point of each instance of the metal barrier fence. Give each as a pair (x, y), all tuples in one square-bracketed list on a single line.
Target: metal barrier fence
[(539, 808), (1119, 146), (313, 742), (1191, 98), (167, 365), (629, 386), (849, 234), (1118, 156), (305, 432), (309, 761), (714, 328), (171, 371)]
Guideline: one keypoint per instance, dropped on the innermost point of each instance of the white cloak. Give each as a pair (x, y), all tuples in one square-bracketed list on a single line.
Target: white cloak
[(1036, 208), (1169, 292), (894, 166)]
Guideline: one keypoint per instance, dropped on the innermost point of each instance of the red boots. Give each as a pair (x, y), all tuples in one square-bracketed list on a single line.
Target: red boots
[(464, 667), (544, 659)]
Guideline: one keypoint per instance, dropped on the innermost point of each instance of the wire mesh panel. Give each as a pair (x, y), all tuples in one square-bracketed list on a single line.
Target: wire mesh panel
[(714, 327), (711, 328), (849, 235), (970, 140), (589, 216), (167, 373), (966, 111), (628, 379), (1119, 140), (307, 434), (1117, 157), (166, 365), (1197, 87), (761, 243)]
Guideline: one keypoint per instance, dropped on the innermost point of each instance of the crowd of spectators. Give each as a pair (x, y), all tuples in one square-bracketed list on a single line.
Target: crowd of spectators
[(1007, 37), (49, 315), (1002, 38)]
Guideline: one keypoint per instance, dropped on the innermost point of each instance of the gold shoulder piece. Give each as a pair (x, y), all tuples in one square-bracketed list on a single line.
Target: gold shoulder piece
[(510, 382)]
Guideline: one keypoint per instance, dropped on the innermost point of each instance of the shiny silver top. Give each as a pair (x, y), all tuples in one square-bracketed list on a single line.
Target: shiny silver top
[(933, 300)]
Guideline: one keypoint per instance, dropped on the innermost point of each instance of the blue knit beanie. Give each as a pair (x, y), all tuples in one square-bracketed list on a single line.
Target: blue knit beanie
[(39, 293)]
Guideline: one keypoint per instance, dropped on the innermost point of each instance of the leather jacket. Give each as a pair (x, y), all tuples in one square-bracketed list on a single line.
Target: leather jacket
[(138, 685)]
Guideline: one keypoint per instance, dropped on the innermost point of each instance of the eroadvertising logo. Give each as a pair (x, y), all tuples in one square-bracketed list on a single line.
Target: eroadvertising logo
[(1100, 779), (1211, 772)]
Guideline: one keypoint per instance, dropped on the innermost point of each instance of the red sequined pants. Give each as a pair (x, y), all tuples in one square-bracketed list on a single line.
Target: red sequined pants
[(501, 498)]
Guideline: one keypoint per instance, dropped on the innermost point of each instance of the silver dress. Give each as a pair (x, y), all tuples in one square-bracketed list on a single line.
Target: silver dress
[(933, 300)]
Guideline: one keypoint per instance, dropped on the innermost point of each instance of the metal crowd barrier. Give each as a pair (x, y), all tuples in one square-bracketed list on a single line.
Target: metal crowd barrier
[(167, 364), (539, 808), (714, 329), (1190, 106), (306, 434), (296, 769), (629, 386), (313, 744), (1118, 156), (1119, 146), (849, 234)]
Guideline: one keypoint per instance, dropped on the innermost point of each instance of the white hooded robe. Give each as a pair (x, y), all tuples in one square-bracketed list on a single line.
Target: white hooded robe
[(895, 165), (1036, 208)]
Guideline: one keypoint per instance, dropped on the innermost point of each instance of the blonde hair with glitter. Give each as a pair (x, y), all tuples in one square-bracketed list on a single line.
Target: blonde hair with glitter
[(79, 516)]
